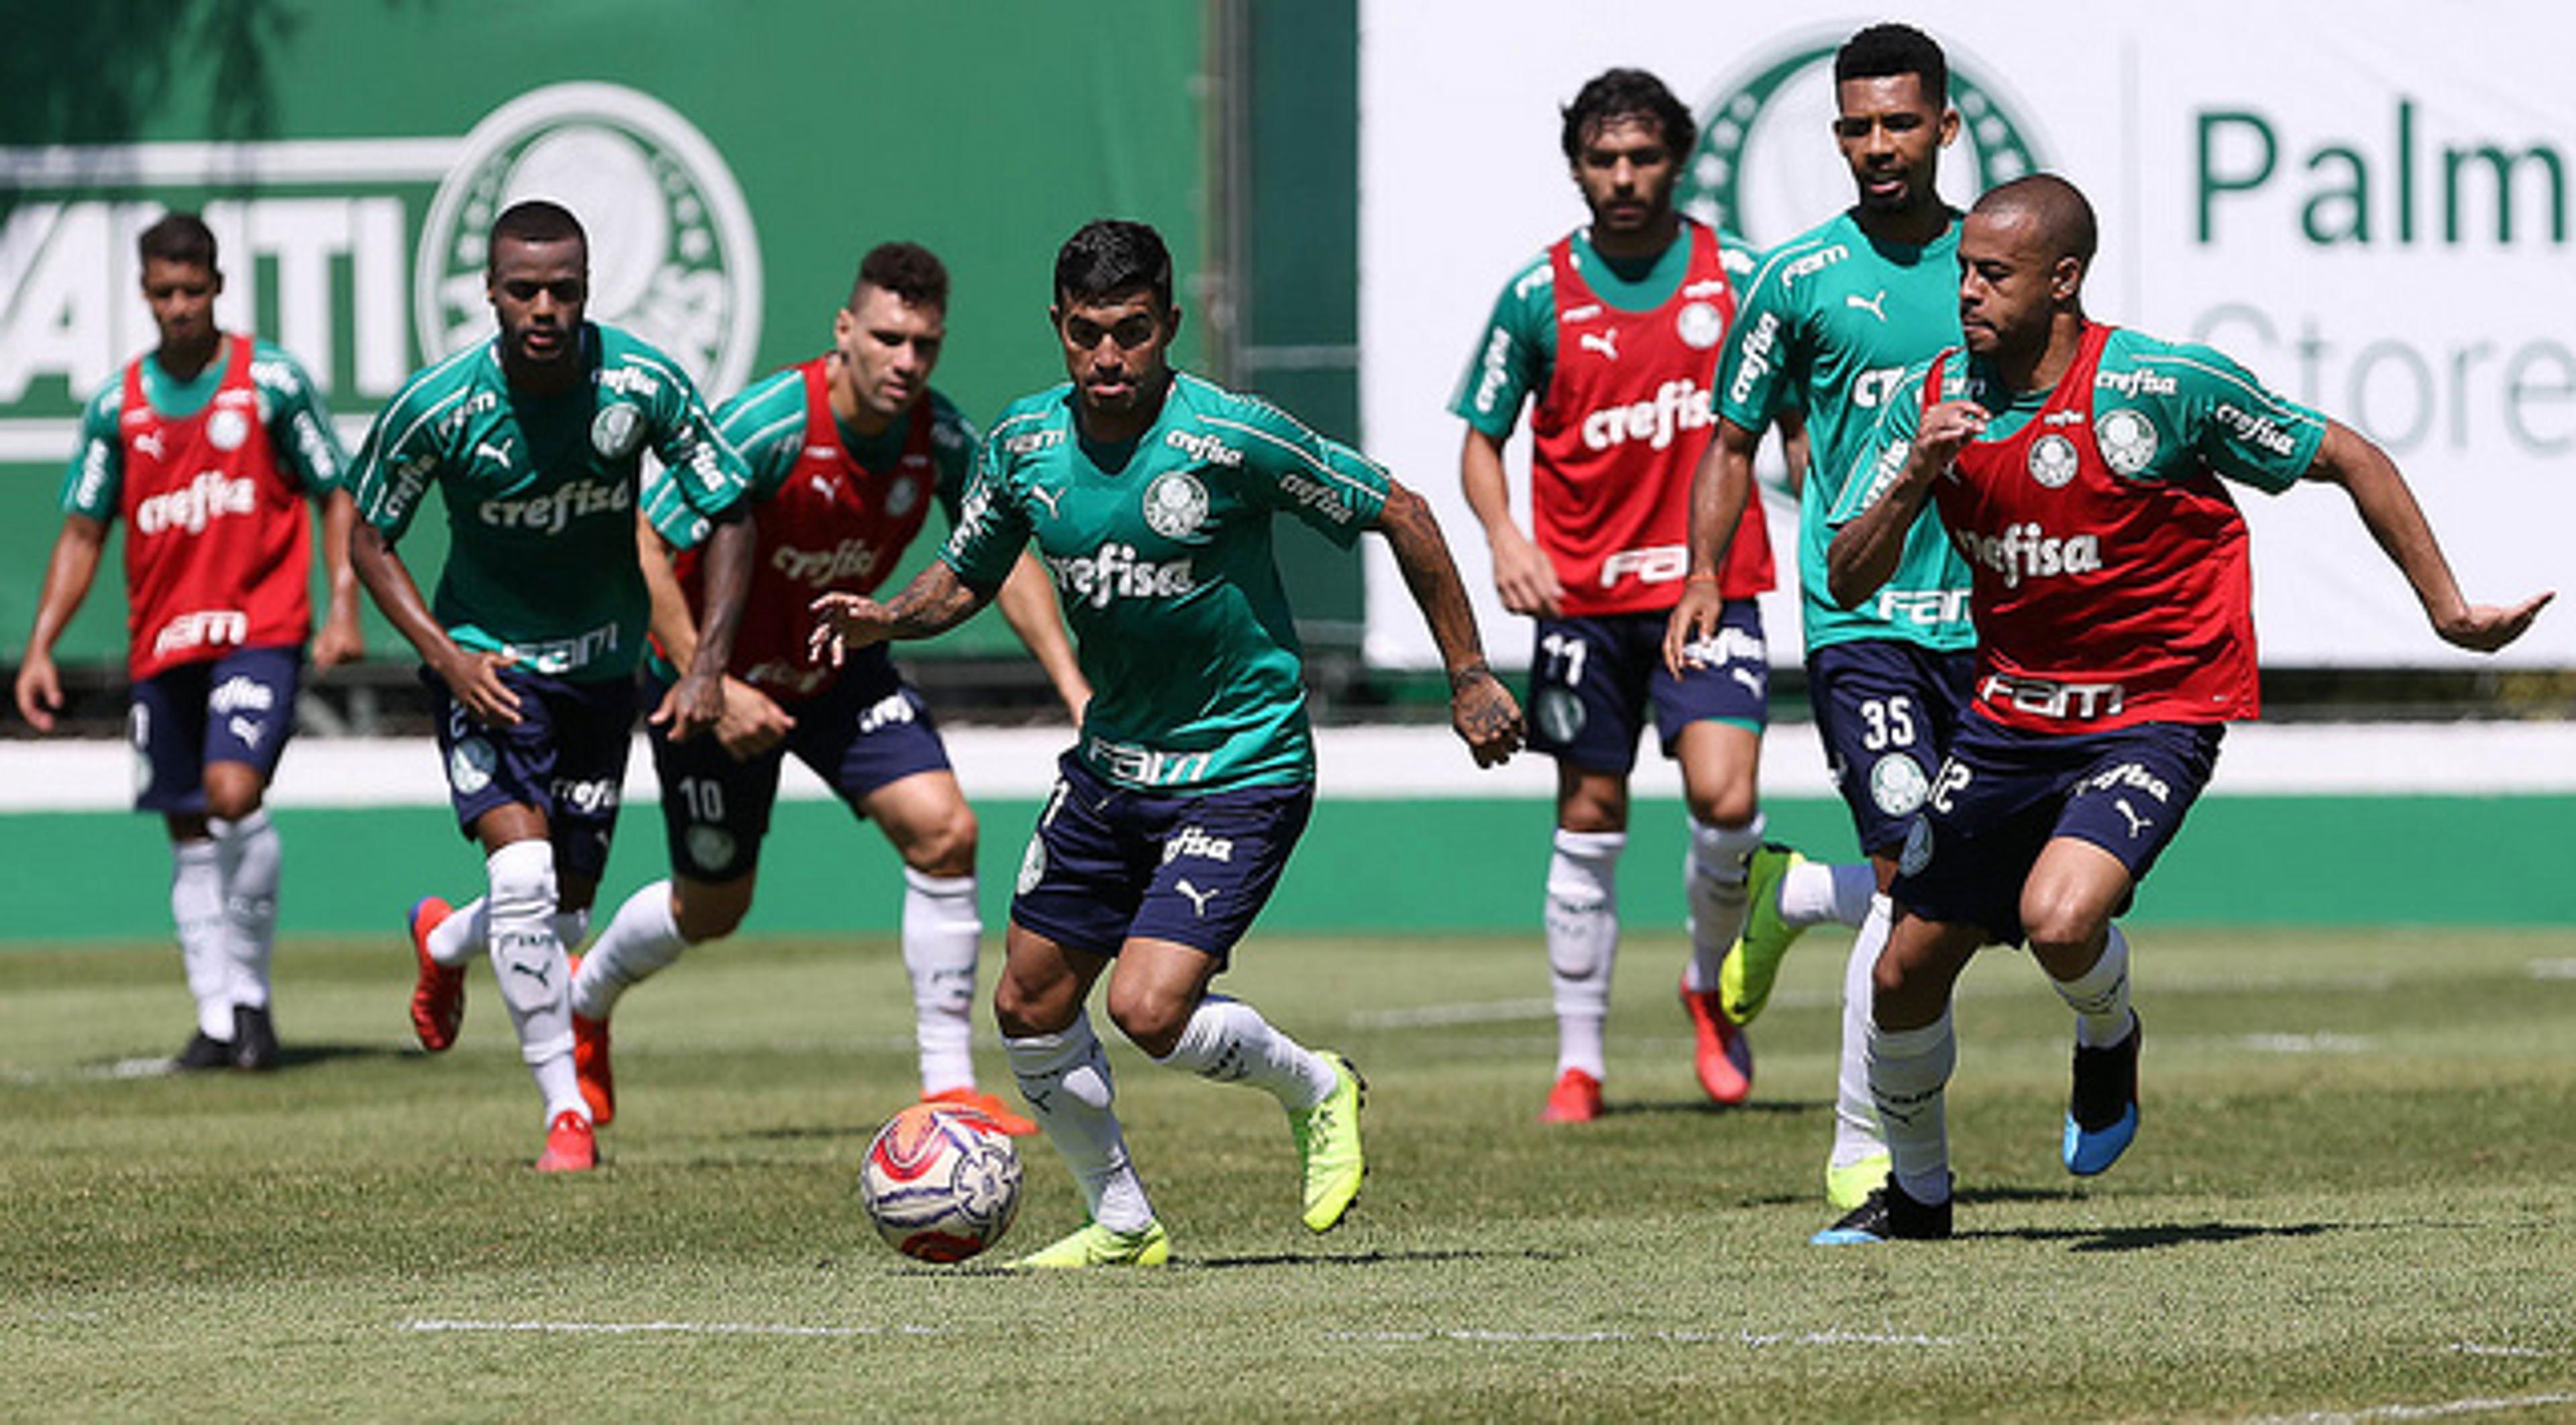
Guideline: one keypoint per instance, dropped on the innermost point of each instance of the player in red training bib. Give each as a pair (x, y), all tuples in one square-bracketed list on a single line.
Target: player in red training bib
[(1613, 335), (848, 453), (2083, 472), (209, 449)]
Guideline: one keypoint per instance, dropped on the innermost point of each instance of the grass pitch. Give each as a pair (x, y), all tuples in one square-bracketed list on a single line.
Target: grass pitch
[(2350, 1196)]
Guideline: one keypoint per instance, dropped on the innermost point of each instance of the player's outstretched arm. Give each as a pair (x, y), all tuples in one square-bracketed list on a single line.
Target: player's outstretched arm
[(1866, 551), (341, 640), (934, 602), (68, 575), (2388, 510), (1721, 486), (1523, 574), (473, 678), (696, 703), (1480, 707), (1028, 606)]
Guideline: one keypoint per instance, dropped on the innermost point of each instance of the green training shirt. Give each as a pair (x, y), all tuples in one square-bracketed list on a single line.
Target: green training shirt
[(1160, 553), (541, 494), (1831, 323)]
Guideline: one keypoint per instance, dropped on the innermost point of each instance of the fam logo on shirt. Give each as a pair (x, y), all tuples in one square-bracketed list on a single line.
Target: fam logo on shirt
[(1761, 168)]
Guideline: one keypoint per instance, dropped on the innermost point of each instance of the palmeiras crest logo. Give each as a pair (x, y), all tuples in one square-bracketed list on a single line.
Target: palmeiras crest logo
[(1766, 167), (674, 258)]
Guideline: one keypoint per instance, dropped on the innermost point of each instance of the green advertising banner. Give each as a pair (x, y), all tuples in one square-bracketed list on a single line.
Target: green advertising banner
[(730, 162)]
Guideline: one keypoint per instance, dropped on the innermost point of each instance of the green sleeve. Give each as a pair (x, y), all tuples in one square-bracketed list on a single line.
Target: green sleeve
[(1753, 375), (952, 450), (1287, 466), (299, 425), (95, 482), (706, 472), (1514, 356), (396, 463), (2238, 426), (1882, 456), (992, 524)]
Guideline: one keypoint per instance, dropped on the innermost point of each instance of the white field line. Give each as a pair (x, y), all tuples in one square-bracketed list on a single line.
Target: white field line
[(2475, 1405), (1434, 1016), (663, 1328), (2553, 969), (1754, 1339), (1364, 763), (2305, 1044)]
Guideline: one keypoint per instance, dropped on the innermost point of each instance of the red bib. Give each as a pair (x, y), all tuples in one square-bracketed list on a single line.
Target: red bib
[(1623, 423), (2100, 601), (218, 547), (832, 526)]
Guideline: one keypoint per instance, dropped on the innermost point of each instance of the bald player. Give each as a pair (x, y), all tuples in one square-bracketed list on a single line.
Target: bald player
[(2084, 472)]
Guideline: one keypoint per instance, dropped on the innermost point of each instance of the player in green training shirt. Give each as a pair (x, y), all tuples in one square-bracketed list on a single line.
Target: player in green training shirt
[(535, 440), (1151, 496), (1832, 320)]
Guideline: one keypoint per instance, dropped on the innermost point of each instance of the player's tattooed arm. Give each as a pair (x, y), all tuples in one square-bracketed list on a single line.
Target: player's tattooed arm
[(1483, 711), (934, 602), (2388, 510), (1865, 552)]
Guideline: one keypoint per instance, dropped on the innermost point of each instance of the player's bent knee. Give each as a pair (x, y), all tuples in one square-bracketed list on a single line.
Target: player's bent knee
[(1152, 1022)]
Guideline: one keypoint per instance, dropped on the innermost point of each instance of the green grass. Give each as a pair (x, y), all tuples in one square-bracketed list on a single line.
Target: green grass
[(2351, 1193)]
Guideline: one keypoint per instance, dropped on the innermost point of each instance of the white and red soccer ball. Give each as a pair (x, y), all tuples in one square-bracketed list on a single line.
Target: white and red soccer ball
[(940, 1183)]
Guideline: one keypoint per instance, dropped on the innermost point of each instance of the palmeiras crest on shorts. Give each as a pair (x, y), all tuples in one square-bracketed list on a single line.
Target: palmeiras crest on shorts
[(674, 257), (1560, 711), (1897, 784), (1756, 169), (2127, 440), (470, 764), (1176, 504)]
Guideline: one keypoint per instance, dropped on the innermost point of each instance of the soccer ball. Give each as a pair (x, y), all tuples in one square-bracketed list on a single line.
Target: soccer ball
[(940, 1184)]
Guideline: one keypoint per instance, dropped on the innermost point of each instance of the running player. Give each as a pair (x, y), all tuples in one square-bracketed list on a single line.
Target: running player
[(1612, 335), (1151, 495), (847, 452), (1829, 321), (534, 440), (2078, 467), (209, 448)]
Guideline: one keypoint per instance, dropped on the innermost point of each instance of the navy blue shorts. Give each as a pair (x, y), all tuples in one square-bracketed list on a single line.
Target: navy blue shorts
[(2003, 795), (1592, 680), (237, 708), (1886, 710), (566, 757), (866, 729), (1107, 864)]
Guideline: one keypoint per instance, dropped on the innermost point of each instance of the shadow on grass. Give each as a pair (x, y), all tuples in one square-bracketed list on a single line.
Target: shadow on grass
[(290, 1057), (2171, 1234), (1259, 1259), (1701, 1106)]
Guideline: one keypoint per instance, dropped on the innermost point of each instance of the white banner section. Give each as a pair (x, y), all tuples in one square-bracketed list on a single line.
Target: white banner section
[(2369, 210)]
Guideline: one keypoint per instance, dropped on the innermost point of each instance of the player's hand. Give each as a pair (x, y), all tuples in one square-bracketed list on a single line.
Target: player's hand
[(1524, 576), (692, 705), (1694, 620), (474, 680), (40, 690), (341, 640), (1485, 714), (844, 624), (2484, 628), (1947, 429), (753, 722)]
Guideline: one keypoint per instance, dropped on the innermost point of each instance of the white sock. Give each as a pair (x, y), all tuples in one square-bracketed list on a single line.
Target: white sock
[(250, 855), (1583, 941), (1908, 1069), (197, 909), (940, 931), (1814, 894), (641, 940), (466, 933), (2100, 996), (1857, 1136), (1065, 1080), (529, 962), (1229, 1042), (1713, 877)]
